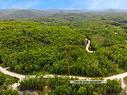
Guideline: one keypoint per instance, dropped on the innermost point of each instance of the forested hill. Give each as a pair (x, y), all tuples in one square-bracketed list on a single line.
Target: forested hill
[(15, 14), (31, 13), (55, 44), (7, 14)]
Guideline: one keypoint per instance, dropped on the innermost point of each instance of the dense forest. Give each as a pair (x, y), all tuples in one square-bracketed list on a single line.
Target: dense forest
[(59, 86), (56, 44)]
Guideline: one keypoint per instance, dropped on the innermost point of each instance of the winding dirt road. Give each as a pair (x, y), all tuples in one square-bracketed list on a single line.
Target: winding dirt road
[(22, 77), (88, 46)]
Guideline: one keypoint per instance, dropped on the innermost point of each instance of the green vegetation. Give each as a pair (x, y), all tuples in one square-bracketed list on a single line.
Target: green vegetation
[(125, 80), (59, 86), (54, 44), (2, 79), (9, 92), (5, 82)]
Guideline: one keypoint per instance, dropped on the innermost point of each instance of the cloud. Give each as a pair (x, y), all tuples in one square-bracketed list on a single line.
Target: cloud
[(107, 4)]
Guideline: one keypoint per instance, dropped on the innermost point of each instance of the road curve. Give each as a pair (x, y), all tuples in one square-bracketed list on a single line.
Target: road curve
[(87, 46), (22, 77), (119, 77), (12, 74)]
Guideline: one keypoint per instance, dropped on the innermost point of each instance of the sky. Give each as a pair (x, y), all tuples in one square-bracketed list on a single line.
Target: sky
[(63, 4)]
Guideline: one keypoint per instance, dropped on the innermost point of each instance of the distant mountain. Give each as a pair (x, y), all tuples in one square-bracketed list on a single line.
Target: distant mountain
[(31, 13), (13, 13)]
